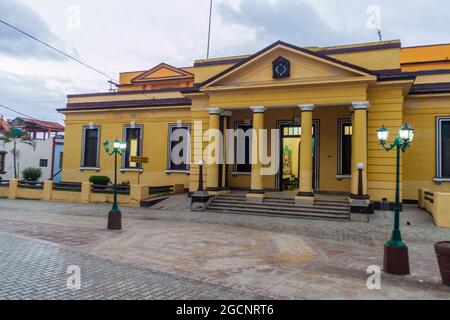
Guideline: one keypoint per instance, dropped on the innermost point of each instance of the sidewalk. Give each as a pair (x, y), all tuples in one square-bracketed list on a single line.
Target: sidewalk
[(264, 256)]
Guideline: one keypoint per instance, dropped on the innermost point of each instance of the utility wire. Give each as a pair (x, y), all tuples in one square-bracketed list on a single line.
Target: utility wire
[(18, 112), (63, 53), (34, 101), (57, 50)]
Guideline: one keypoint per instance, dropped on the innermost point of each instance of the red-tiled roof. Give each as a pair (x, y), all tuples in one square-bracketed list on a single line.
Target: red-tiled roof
[(47, 125)]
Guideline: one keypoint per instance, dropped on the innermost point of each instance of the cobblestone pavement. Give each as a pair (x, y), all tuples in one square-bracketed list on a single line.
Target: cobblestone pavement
[(31, 269), (250, 255)]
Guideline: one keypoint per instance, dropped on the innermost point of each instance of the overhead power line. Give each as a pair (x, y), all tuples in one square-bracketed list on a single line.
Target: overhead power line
[(56, 49), (18, 112)]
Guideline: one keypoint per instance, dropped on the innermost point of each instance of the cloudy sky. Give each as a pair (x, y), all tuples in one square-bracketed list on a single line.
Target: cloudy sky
[(117, 35)]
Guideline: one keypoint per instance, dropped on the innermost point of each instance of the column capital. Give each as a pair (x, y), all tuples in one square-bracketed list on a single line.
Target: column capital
[(359, 105), (258, 109), (226, 114), (307, 107), (215, 111)]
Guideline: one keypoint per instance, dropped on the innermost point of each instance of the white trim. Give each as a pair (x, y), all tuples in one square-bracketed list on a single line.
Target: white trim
[(306, 107), (343, 177), (90, 168), (169, 147), (131, 170), (258, 109), (177, 171), (360, 105), (441, 180), (141, 142), (227, 114), (341, 123), (215, 111), (83, 144)]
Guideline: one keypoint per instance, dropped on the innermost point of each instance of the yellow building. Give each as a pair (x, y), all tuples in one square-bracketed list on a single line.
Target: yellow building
[(327, 103)]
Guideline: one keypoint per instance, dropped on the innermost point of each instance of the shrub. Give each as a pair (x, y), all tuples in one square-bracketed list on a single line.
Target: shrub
[(32, 174), (100, 180)]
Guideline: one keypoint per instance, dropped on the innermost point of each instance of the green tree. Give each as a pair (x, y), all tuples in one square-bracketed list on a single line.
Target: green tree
[(17, 136)]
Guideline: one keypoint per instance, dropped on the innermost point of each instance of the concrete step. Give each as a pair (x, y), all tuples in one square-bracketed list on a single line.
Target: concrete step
[(287, 202), (290, 209), (298, 215), (332, 204), (331, 201), (147, 203)]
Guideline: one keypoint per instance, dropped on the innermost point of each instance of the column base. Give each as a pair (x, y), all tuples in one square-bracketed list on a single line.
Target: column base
[(115, 220), (396, 260), (360, 209), (200, 201), (304, 199), (255, 196), (358, 197)]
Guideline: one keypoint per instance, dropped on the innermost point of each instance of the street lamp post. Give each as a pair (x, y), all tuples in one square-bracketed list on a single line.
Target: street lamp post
[(396, 259), (115, 215), (200, 176)]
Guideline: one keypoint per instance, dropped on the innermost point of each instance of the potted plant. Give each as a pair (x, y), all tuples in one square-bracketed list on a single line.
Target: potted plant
[(100, 180), (32, 174), (443, 255)]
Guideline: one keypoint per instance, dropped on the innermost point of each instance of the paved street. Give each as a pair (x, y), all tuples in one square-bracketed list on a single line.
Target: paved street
[(171, 253), (33, 269)]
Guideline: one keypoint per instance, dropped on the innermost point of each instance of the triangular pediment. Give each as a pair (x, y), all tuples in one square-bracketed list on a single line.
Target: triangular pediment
[(294, 65), (163, 71)]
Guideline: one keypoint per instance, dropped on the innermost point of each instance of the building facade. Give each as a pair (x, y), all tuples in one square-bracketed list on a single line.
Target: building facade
[(42, 155), (325, 103)]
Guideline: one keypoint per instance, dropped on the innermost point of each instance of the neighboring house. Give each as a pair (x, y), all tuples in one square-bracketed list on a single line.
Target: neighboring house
[(57, 159), (47, 142), (4, 127), (341, 95)]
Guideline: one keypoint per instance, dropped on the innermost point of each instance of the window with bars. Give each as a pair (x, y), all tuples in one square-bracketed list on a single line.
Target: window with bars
[(243, 148), (345, 147), (90, 147), (133, 138), (43, 163), (178, 147)]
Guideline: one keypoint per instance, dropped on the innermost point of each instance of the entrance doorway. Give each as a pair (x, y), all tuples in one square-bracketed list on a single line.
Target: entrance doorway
[(288, 177)]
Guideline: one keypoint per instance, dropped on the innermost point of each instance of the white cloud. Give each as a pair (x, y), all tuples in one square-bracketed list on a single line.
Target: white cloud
[(116, 36)]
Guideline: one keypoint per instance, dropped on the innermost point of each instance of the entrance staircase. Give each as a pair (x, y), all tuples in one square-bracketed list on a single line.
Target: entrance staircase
[(324, 207)]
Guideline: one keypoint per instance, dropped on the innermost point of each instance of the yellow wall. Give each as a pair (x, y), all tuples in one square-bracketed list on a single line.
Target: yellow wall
[(199, 114), (4, 192), (373, 60), (124, 97), (155, 137), (66, 196), (386, 104), (203, 73), (329, 94), (420, 160)]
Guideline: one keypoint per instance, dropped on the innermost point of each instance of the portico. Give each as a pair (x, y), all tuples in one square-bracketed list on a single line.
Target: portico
[(305, 118)]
